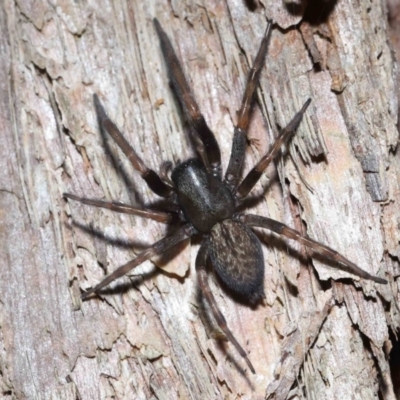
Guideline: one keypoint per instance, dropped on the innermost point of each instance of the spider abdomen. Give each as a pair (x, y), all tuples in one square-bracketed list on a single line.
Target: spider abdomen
[(237, 257), (204, 198)]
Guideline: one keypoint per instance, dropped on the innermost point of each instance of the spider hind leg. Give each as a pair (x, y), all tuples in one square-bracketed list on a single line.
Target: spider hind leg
[(201, 262)]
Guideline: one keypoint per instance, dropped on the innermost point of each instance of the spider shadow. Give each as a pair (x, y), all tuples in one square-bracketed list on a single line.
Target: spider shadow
[(271, 239), (111, 153), (189, 135), (251, 201), (254, 200), (98, 234), (214, 332), (123, 287)]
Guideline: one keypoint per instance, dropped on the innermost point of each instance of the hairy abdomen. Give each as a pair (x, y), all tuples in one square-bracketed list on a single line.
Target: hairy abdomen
[(237, 257)]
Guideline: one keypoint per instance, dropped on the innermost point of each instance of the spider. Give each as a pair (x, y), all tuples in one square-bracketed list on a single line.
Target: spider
[(207, 203)]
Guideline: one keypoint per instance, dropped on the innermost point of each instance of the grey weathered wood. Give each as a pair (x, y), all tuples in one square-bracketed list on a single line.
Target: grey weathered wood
[(314, 337)]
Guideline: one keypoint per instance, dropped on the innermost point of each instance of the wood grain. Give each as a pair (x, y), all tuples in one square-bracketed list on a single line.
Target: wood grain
[(152, 337)]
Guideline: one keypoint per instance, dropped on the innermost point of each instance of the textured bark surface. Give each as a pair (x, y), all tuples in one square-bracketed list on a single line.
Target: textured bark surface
[(152, 336)]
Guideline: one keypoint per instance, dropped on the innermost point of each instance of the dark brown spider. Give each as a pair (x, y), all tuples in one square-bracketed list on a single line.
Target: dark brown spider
[(208, 203)]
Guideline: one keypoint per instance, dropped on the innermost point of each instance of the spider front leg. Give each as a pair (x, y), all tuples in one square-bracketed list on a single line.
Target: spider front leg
[(202, 276), (254, 175), (154, 182), (209, 149), (318, 248), (157, 248), (240, 134)]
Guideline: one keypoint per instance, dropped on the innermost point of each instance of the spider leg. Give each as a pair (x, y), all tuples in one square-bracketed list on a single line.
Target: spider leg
[(239, 138), (282, 229), (191, 109), (254, 175), (202, 276), (157, 248), (153, 181), (124, 208)]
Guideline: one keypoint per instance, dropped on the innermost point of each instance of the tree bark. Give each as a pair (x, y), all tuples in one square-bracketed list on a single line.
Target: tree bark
[(321, 333)]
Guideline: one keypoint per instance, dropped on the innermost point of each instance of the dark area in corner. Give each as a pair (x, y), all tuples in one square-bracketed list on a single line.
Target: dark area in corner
[(318, 11), (252, 5), (394, 362), (314, 11)]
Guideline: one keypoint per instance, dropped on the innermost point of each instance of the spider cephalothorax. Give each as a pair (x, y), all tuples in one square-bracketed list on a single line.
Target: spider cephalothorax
[(208, 202)]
